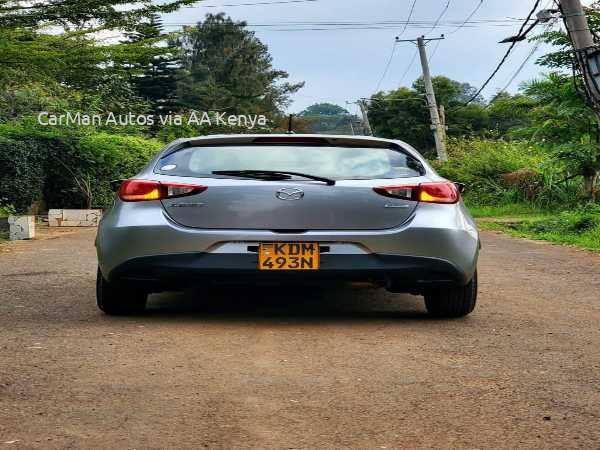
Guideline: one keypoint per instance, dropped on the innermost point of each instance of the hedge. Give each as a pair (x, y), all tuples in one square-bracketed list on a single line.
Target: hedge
[(37, 166)]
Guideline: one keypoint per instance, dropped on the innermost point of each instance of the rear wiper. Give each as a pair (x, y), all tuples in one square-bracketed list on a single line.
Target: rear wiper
[(272, 175)]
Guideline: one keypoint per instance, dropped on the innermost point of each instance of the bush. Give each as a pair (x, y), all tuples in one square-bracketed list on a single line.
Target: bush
[(494, 172), (22, 175), (6, 209), (93, 160), (67, 169)]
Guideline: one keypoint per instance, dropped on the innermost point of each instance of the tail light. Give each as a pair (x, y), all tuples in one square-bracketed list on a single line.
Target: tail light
[(436, 192), (143, 190)]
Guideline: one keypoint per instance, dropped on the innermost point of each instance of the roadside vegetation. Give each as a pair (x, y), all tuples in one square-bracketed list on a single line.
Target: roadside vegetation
[(580, 227), (522, 188), (530, 160)]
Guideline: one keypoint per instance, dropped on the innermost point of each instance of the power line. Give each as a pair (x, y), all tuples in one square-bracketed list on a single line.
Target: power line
[(469, 17), (344, 26), (464, 22), (387, 66), (406, 99), (412, 61), (435, 24), (300, 29), (437, 21), (503, 60), (522, 65), (412, 8), (437, 44), (395, 23), (252, 4)]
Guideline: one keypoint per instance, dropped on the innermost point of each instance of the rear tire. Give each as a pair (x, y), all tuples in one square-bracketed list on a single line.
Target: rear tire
[(452, 301), (118, 300)]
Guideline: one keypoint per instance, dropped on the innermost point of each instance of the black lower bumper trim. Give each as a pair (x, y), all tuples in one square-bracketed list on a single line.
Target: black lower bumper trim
[(179, 271)]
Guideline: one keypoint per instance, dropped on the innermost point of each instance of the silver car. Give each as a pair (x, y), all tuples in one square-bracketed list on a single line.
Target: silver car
[(293, 209)]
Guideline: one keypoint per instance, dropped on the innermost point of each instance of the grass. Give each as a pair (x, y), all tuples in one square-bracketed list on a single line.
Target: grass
[(510, 210), (580, 227)]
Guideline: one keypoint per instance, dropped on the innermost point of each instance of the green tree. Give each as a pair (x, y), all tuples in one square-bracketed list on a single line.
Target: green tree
[(403, 113), (157, 82), (226, 67), (327, 118), (324, 109), (82, 14), (51, 43), (562, 118), (509, 113)]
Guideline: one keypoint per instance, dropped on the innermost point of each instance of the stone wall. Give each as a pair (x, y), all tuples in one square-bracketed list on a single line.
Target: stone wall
[(74, 217)]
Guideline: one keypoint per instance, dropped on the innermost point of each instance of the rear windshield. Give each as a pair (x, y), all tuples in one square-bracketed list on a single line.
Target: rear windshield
[(330, 162)]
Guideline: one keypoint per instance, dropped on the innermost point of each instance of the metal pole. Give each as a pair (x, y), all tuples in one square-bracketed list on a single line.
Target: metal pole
[(436, 126)]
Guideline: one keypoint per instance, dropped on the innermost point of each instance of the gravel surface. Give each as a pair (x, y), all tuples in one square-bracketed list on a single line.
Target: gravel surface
[(345, 368)]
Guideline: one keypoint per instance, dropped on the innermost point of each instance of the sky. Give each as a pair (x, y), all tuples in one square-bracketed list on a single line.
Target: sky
[(340, 66)]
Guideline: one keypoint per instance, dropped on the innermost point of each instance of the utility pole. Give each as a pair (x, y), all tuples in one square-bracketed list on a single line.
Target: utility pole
[(442, 113), (436, 125), (365, 115), (587, 54), (364, 109), (586, 51)]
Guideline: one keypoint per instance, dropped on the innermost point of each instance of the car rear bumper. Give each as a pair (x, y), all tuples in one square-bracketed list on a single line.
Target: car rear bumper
[(178, 271), (139, 243)]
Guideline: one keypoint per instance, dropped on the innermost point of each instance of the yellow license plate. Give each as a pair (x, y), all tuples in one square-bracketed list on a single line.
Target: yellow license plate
[(288, 256)]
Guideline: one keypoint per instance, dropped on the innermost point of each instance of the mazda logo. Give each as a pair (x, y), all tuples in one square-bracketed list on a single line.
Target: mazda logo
[(289, 194)]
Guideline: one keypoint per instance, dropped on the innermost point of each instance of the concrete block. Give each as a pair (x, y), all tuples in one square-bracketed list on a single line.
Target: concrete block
[(21, 227), (54, 222), (55, 217), (74, 217), (93, 216)]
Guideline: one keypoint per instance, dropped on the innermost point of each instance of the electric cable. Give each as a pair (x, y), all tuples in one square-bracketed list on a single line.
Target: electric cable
[(505, 57)]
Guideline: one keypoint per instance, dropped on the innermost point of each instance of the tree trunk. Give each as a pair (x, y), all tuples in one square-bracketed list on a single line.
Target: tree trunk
[(590, 179)]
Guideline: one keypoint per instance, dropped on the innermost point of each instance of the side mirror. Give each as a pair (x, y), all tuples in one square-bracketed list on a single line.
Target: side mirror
[(462, 187), (115, 185)]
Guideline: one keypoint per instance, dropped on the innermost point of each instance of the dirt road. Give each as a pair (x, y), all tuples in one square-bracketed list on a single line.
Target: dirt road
[(355, 368)]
